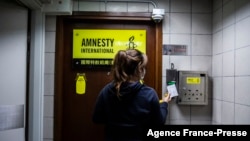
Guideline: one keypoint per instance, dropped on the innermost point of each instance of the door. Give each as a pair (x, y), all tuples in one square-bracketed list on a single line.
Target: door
[(73, 111)]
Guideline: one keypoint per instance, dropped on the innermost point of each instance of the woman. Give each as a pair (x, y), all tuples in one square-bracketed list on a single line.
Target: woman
[(125, 105)]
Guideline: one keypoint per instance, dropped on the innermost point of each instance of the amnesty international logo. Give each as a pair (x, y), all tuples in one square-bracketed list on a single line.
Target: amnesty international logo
[(131, 44)]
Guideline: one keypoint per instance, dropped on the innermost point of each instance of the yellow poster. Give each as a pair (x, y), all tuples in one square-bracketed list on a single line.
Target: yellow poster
[(99, 46)]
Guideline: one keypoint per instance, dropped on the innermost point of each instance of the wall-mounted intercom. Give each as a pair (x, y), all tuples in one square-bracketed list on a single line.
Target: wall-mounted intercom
[(192, 86)]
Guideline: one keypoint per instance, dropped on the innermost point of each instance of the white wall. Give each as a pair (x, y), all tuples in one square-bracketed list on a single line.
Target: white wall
[(188, 22), (13, 63), (231, 65)]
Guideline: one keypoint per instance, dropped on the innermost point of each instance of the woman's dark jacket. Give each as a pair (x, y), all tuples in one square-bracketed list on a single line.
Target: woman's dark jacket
[(137, 107)]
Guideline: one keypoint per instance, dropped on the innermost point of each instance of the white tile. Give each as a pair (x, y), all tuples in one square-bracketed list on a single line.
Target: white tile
[(202, 63), (201, 45), (201, 112), (166, 23), (242, 33), (89, 6), (181, 62), (50, 23), (164, 86), (151, 7), (48, 106), (217, 20), (49, 84), (228, 63), (217, 65), (138, 7), (50, 39), (201, 23), (217, 43), (180, 23), (217, 88), (216, 112), (163, 4), (48, 126), (166, 39), (103, 7), (75, 5), (180, 6), (49, 66), (165, 66), (201, 6), (179, 112), (166, 63), (228, 38), (242, 63), (242, 114), (242, 88), (242, 9), (201, 122), (210, 87), (227, 114), (217, 4), (181, 39), (228, 89), (215, 123), (226, 1), (179, 122), (117, 7), (229, 13)]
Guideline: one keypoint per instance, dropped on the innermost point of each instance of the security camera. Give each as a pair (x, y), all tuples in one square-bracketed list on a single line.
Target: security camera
[(158, 14), (157, 18)]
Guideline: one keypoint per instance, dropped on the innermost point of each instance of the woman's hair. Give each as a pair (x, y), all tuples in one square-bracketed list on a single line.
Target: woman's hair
[(128, 65)]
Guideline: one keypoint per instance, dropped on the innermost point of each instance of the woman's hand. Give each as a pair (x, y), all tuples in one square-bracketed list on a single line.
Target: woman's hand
[(166, 98)]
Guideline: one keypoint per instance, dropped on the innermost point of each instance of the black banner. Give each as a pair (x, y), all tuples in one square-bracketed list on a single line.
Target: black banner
[(164, 132)]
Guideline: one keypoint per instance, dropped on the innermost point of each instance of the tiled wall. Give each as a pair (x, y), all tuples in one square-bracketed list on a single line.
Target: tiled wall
[(189, 22), (217, 39), (231, 67), (50, 34)]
